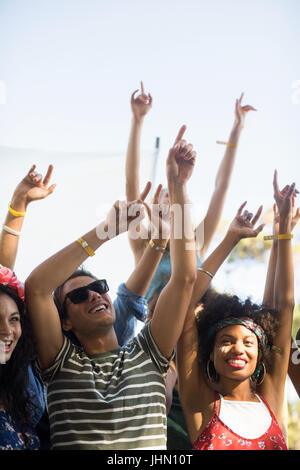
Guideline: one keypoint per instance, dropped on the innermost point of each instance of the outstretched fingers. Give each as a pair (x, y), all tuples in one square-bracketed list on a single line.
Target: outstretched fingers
[(248, 107), (291, 190), (51, 188), (240, 209), (180, 134), (145, 192), (258, 229), (48, 175), (275, 184), (157, 194), (133, 96), (257, 215), (34, 176), (239, 108), (31, 170)]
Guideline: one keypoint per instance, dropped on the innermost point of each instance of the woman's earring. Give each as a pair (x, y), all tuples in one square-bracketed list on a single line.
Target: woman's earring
[(257, 373), (208, 366)]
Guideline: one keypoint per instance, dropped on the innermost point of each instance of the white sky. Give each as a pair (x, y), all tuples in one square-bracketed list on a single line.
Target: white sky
[(67, 69)]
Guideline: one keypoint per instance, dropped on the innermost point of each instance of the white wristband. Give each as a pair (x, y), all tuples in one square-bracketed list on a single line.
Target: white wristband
[(11, 231)]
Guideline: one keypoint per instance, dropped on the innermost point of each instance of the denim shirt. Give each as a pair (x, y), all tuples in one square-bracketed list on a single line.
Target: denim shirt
[(128, 307), (37, 392), (162, 275)]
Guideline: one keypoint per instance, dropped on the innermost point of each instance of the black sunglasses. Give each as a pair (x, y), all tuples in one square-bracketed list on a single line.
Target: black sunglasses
[(81, 294)]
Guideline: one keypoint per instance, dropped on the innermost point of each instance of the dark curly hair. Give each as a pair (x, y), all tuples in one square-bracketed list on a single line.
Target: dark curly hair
[(59, 304), (217, 307), (14, 374)]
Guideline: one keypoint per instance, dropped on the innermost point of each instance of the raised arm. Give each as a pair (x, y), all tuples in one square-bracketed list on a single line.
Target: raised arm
[(269, 300), (212, 218), (55, 270), (274, 383), (32, 188), (192, 382), (172, 304), (144, 271), (140, 106)]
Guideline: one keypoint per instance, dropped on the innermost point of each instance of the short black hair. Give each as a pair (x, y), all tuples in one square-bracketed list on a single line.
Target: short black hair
[(217, 307)]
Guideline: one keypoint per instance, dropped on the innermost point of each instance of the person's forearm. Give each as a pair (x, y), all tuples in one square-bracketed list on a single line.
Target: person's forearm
[(133, 160), (217, 201), (182, 242), (212, 264), (284, 282), (226, 166), (141, 277), (268, 299), (187, 362), (56, 269), (284, 293), (9, 242)]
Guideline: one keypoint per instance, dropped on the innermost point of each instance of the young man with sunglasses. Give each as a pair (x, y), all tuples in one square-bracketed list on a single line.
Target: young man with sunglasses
[(129, 305), (102, 396)]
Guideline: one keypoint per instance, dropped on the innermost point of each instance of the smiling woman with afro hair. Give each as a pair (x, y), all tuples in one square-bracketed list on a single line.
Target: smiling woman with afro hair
[(216, 307), (233, 354)]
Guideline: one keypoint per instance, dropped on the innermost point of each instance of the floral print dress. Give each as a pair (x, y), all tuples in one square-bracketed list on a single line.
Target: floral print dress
[(217, 436), (12, 439)]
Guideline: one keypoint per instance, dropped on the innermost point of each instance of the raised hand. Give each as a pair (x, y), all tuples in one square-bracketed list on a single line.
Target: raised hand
[(181, 160), (243, 225), (284, 199), (141, 104), (33, 187), (241, 111), (121, 215), (295, 213)]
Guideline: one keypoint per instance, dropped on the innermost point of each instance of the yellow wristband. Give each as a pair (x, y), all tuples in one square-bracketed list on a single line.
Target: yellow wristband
[(16, 213), (86, 247), (285, 236), (228, 144), (156, 247)]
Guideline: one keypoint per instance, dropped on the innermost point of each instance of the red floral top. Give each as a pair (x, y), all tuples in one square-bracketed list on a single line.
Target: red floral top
[(217, 436)]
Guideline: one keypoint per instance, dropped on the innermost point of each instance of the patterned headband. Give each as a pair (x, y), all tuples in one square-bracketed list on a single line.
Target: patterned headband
[(244, 321), (8, 278)]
